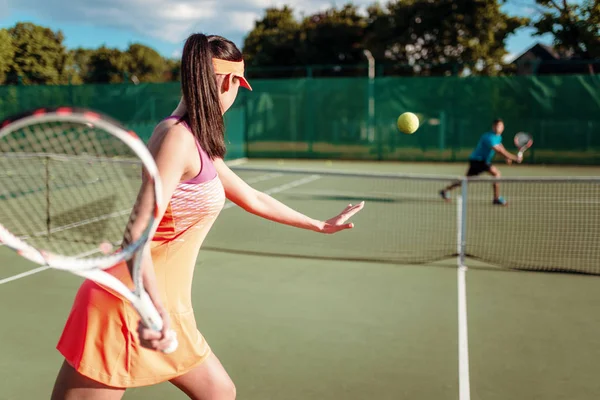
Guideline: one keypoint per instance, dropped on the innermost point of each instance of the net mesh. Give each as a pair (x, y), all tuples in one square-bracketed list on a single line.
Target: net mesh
[(551, 225), (69, 188), (403, 220), (548, 225)]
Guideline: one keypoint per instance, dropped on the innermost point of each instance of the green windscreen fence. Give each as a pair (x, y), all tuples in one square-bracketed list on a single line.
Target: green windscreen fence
[(330, 118), (139, 107), (355, 118)]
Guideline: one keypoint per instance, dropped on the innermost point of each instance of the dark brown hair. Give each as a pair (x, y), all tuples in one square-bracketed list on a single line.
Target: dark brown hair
[(200, 90)]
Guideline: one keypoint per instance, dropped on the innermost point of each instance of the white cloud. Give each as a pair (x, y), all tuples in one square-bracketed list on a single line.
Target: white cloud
[(243, 20), (168, 20)]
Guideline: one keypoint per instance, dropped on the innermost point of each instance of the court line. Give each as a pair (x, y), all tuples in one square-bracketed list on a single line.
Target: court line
[(463, 341), (279, 189), (40, 269), (261, 178), (22, 275), (464, 384)]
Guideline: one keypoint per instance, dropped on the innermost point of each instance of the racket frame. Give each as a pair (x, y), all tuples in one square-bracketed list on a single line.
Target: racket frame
[(522, 148), (93, 268)]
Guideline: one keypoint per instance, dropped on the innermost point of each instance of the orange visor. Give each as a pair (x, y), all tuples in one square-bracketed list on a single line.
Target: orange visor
[(236, 68)]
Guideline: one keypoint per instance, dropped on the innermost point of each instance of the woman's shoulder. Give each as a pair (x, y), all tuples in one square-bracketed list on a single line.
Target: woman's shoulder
[(171, 132)]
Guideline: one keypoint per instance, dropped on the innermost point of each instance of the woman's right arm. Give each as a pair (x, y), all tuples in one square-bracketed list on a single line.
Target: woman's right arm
[(172, 155)]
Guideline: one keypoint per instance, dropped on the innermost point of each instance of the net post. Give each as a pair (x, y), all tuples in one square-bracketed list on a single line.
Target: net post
[(461, 223), (47, 181)]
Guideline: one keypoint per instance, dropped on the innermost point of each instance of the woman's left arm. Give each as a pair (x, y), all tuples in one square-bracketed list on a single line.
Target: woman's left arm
[(265, 206)]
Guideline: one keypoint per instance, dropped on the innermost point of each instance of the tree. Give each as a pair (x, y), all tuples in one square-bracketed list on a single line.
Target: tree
[(145, 63), (331, 37), (39, 55), (274, 40), (575, 26), (108, 65), (7, 53), (438, 34), (173, 69), (77, 68), (334, 36)]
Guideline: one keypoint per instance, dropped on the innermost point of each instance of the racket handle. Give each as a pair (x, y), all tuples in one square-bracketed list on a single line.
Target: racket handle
[(174, 343), (151, 319)]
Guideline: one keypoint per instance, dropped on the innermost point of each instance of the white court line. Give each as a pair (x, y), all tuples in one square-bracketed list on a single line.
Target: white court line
[(40, 269), (236, 162), (463, 341), (22, 275), (279, 189), (262, 178)]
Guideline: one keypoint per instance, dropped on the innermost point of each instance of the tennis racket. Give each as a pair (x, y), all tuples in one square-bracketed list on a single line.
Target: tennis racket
[(523, 141), (80, 193)]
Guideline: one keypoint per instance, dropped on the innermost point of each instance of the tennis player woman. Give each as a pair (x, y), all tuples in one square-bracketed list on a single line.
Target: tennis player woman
[(106, 350)]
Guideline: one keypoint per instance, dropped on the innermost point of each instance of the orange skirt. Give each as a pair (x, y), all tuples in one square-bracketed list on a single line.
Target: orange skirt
[(100, 340)]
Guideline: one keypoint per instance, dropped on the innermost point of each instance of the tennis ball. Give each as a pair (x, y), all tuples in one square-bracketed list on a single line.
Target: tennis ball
[(408, 123)]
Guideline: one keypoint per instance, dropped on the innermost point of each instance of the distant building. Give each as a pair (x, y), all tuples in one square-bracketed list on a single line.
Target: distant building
[(541, 59)]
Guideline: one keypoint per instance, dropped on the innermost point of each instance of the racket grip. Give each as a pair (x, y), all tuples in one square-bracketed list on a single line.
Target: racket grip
[(152, 319), (174, 343)]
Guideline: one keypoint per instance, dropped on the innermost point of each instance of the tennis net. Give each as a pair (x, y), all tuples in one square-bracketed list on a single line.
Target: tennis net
[(548, 225)]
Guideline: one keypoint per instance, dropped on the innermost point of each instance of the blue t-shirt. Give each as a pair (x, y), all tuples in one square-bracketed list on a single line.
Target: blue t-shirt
[(484, 150)]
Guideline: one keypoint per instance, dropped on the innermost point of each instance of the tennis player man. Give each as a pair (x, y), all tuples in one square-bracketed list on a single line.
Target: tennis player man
[(481, 159)]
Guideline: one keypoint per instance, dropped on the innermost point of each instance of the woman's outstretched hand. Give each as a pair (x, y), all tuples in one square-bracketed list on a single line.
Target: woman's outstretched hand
[(339, 222)]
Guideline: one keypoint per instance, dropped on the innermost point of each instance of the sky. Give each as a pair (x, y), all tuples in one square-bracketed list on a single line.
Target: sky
[(165, 24)]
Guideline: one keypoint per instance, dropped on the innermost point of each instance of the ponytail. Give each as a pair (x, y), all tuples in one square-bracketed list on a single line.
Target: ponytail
[(201, 96)]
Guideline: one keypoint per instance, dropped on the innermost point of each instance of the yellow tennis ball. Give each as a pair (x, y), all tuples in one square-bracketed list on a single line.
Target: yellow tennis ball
[(408, 123)]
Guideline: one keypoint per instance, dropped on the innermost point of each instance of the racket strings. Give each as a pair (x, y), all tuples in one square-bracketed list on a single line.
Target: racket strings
[(522, 139), (70, 188)]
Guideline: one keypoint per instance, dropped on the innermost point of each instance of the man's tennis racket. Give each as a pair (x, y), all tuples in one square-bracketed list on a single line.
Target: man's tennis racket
[(523, 141), (71, 198)]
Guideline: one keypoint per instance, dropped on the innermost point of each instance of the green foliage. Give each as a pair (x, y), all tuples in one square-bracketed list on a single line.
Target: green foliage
[(108, 65), (78, 66), (7, 53), (443, 33), (422, 33), (145, 63), (575, 26), (333, 36), (39, 55), (275, 39), (173, 69), (33, 54)]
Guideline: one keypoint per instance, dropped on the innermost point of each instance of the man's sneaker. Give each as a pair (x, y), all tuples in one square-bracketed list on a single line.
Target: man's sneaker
[(444, 195), (500, 201)]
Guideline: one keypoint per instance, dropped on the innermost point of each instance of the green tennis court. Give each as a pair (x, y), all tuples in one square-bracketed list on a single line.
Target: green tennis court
[(368, 313)]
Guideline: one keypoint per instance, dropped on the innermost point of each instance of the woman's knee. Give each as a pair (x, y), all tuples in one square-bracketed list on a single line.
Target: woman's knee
[(70, 384), (208, 381)]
